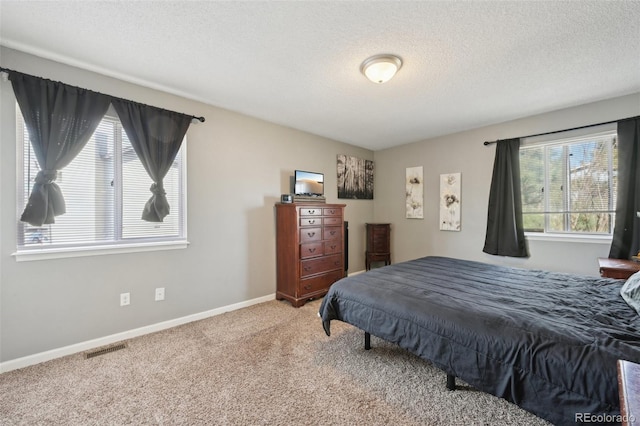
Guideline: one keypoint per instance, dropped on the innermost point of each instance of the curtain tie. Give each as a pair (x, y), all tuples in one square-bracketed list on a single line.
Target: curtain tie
[(46, 176), (157, 189)]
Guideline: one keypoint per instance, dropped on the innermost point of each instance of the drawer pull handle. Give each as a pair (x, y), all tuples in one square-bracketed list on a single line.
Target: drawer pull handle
[(332, 211), (312, 250), (332, 232), (311, 234), (312, 211), (312, 221), (307, 287), (307, 268), (337, 262), (333, 247)]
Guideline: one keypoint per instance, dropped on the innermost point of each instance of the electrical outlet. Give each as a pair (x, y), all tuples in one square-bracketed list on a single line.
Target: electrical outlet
[(125, 299), (159, 294)]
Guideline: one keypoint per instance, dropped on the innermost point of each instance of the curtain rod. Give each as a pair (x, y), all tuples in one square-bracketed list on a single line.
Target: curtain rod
[(7, 70), (566, 130)]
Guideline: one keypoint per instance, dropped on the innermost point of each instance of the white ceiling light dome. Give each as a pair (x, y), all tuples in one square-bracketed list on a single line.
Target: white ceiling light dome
[(381, 68)]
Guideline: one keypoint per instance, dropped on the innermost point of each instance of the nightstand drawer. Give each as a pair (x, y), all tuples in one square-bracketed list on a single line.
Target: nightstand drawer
[(618, 275)]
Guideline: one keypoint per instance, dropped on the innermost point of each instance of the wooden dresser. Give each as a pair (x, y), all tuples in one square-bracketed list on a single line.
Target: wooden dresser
[(378, 244), (309, 250)]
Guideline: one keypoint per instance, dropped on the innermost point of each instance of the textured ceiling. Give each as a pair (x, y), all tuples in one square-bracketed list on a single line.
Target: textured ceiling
[(466, 64)]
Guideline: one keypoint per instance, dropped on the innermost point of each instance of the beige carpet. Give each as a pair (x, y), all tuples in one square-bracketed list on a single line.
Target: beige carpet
[(268, 364)]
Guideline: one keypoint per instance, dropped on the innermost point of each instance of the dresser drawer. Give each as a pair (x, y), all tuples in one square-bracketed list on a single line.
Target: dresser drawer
[(332, 221), (311, 250), (311, 212), (332, 233), (319, 265), (320, 283), (331, 211), (310, 221), (332, 247), (308, 235)]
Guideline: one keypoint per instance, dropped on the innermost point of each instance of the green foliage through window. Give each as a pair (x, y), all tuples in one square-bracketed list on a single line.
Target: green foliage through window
[(569, 186)]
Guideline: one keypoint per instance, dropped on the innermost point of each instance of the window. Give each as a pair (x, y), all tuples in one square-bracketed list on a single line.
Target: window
[(569, 185), (105, 189)]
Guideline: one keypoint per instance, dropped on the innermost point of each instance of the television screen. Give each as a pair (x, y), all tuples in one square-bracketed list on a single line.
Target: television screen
[(309, 183)]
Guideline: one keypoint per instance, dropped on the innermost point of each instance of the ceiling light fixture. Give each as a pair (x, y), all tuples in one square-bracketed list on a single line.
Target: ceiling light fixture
[(381, 68)]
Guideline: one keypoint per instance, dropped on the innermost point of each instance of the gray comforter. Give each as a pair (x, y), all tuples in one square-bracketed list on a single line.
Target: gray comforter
[(545, 341)]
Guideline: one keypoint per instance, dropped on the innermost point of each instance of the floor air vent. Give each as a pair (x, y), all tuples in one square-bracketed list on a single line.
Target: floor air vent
[(105, 350)]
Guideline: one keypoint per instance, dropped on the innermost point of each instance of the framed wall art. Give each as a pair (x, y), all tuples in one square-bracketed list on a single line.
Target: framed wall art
[(355, 178), (450, 202), (414, 193)]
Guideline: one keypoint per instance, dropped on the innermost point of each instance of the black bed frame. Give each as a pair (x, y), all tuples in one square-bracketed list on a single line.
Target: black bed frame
[(451, 379)]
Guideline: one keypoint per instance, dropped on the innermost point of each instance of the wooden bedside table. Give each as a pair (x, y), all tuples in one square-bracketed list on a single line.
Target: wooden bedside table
[(378, 244), (617, 268)]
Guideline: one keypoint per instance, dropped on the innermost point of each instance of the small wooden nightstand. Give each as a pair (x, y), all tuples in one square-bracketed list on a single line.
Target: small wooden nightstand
[(378, 244), (617, 268)]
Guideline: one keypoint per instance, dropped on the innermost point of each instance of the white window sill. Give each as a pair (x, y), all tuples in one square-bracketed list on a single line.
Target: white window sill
[(569, 238), (59, 253)]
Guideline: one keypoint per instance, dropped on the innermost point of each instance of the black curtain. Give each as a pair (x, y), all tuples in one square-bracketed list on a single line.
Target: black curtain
[(626, 234), (505, 233), (60, 120), (156, 135)]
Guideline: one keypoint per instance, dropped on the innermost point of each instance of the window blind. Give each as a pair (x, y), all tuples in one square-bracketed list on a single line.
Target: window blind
[(570, 185), (105, 189)]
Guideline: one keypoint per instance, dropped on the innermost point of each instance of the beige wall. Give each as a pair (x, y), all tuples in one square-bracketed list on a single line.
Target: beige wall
[(465, 153), (237, 168)]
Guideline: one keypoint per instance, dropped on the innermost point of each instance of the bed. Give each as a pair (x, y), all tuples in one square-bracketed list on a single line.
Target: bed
[(546, 341)]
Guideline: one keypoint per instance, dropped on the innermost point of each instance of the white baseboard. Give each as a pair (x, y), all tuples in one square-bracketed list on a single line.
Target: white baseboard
[(26, 361), (355, 273)]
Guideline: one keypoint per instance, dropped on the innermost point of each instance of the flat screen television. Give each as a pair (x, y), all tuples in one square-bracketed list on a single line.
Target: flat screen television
[(310, 184)]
